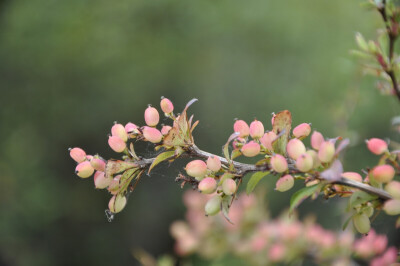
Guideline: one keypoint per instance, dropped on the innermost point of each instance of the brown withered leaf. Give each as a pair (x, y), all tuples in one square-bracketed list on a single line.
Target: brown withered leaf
[(281, 127)]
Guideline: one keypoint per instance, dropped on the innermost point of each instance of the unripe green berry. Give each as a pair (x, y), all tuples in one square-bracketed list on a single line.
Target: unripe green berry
[(151, 116), (251, 149), (116, 143), (304, 162), (229, 186), (392, 207), (214, 163), (302, 130), (294, 148), (393, 188), (256, 129), (77, 154), (284, 183), (152, 134), (383, 173), (326, 152), (84, 169), (197, 169), (241, 127), (208, 185), (119, 131), (362, 223), (278, 163), (369, 211), (316, 140), (213, 205), (117, 203)]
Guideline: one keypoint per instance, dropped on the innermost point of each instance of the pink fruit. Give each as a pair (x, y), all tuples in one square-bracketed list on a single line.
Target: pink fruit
[(213, 163), (151, 116), (131, 128), (383, 173), (314, 156), (251, 149), (113, 187), (326, 151), (304, 162), (284, 183), (100, 181), (77, 154), (165, 130), (294, 148), (241, 127), (352, 176), (392, 207), (152, 134), (98, 163), (377, 146), (119, 131), (197, 169), (208, 185), (256, 129), (166, 105), (302, 130), (316, 140), (229, 186), (393, 188), (116, 143), (84, 169), (278, 163), (267, 139), (117, 203)]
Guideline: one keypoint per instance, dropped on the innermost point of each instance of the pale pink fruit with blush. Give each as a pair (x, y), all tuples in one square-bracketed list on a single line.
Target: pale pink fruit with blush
[(116, 143), (119, 131), (251, 149), (267, 139), (277, 252), (165, 130), (302, 130), (166, 105), (98, 164), (314, 156), (77, 154), (213, 205), (152, 134), (256, 129), (84, 169), (304, 162), (392, 207), (326, 152), (241, 127), (131, 128), (393, 188), (278, 163), (100, 181), (117, 203), (229, 186), (352, 176), (316, 140), (383, 173), (213, 163), (113, 187), (196, 169), (208, 185), (284, 183), (294, 148), (151, 116), (377, 146)]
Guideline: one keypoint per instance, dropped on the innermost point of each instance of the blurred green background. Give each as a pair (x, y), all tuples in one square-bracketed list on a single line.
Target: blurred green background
[(68, 69)]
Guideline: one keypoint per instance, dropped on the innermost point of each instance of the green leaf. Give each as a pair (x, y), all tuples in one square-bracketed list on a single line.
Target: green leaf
[(226, 146), (360, 197), (302, 194), (160, 158), (253, 181)]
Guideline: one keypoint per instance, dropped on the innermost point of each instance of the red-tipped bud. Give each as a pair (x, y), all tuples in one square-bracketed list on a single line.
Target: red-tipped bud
[(279, 163), (152, 134), (197, 169), (151, 116), (267, 139), (284, 183), (392, 207), (229, 186), (165, 130), (314, 156), (98, 164), (213, 205), (208, 185), (117, 203), (119, 131), (304, 162), (100, 181), (213, 163), (131, 128), (77, 154), (383, 173), (362, 223), (166, 106), (251, 149), (393, 188), (256, 129), (316, 140), (302, 130), (84, 169), (377, 146), (241, 127), (294, 148), (326, 152), (116, 143), (352, 176)]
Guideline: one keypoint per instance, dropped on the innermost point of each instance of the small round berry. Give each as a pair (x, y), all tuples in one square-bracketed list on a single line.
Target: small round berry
[(256, 129), (131, 128), (302, 130), (98, 163), (119, 131), (229, 186), (84, 169), (383, 173), (362, 223), (100, 181), (165, 130), (294, 148), (208, 185), (392, 207), (213, 163), (267, 139), (166, 106), (151, 116), (377, 146), (304, 162), (316, 140), (152, 134), (241, 127), (251, 149), (326, 151), (393, 188), (77, 154), (116, 143), (197, 169), (284, 183), (117, 203), (213, 205), (352, 176), (278, 163)]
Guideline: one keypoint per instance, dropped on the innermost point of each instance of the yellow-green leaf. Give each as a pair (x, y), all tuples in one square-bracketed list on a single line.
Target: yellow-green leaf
[(161, 157), (254, 179)]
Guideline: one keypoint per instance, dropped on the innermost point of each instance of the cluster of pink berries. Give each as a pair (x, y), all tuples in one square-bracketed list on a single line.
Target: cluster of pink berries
[(261, 241)]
